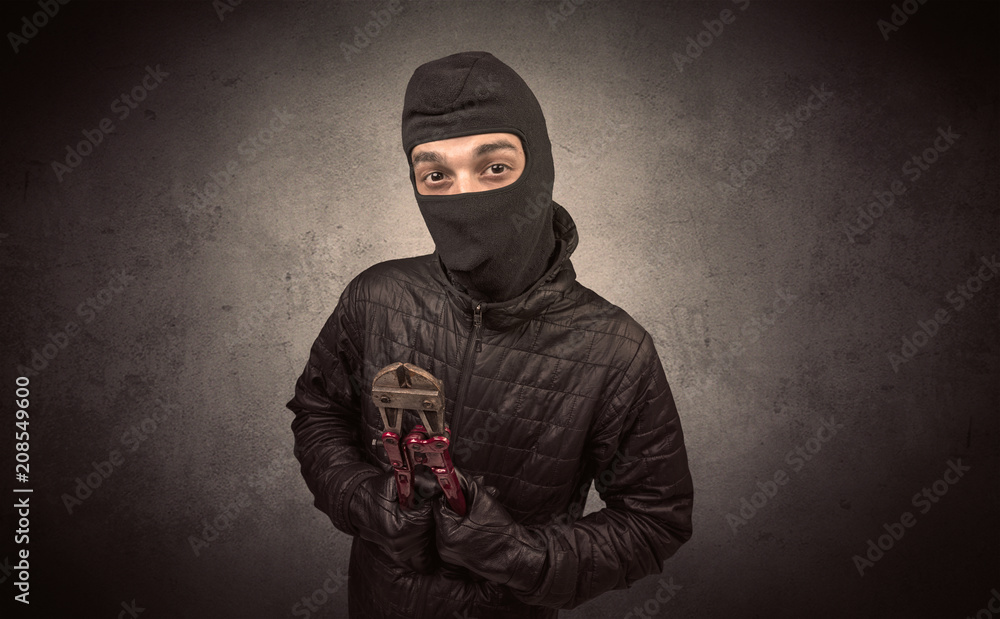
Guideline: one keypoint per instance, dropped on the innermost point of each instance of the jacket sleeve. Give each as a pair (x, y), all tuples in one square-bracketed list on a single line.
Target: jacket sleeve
[(641, 471), (327, 424)]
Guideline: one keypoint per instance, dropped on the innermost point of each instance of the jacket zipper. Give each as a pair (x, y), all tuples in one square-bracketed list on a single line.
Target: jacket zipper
[(475, 345)]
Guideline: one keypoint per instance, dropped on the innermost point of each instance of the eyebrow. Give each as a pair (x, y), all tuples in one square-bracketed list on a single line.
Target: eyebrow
[(430, 156), (427, 156), (489, 147)]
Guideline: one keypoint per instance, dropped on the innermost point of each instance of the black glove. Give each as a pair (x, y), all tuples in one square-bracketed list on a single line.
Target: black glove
[(406, 536), (425, 486), (487, 541)]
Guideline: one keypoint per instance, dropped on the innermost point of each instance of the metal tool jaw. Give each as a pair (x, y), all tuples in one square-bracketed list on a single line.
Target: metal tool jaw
[(404, 386)]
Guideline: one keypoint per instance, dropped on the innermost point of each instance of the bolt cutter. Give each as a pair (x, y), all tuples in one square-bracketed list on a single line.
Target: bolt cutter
[(404, 386)]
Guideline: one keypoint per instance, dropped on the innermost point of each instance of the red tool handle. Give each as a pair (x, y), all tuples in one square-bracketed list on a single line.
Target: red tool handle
[(404, 473), (433, 452)]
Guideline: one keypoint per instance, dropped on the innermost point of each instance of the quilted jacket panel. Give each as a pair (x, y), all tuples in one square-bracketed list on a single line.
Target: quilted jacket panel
[(555, 389)]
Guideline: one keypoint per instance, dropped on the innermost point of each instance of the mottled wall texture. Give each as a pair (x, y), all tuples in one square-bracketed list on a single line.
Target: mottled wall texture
[(798, 200)]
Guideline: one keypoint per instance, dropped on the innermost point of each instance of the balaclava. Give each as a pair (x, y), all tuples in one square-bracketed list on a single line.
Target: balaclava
[(494, 243)]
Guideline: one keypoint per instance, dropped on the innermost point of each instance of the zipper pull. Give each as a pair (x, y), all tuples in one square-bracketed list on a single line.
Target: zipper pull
[(477, 323)]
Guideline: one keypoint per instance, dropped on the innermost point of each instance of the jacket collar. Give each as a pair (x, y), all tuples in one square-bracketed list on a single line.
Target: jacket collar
[(559, 277)]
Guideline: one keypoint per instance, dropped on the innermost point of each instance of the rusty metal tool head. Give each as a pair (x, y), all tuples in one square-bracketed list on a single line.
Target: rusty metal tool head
[(401, 386)]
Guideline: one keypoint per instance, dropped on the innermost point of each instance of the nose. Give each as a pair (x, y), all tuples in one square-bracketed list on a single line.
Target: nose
[(464, 183)]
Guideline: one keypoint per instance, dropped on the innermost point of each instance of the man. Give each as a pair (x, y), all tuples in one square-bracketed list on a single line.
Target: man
[(548, 386)]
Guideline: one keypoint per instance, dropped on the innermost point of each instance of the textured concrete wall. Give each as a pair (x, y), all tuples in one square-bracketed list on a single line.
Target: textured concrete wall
[(166, 331)]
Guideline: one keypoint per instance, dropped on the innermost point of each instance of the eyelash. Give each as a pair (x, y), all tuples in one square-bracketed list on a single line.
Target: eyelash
[(506, 167), (502, 165)]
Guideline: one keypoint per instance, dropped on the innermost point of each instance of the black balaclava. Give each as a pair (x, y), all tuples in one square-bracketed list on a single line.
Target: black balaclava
[(495, 243)]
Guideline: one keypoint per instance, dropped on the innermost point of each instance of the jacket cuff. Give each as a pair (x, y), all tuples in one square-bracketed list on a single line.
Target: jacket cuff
[(342, 502), (557, 580)]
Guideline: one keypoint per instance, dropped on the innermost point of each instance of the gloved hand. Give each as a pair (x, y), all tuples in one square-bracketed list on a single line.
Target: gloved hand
[(487, 541), (406, 536), (425, 486)]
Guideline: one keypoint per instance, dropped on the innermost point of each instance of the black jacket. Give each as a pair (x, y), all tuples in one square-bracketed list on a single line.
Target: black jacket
[(545, 394)]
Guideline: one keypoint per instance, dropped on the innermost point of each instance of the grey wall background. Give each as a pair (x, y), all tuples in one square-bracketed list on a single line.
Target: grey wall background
[(201, 350)]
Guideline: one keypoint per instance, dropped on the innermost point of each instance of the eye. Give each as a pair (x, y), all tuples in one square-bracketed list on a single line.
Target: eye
[(434, 177), (499, 168)]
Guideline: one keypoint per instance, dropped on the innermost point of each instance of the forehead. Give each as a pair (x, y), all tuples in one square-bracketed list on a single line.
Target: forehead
[(467, 144)]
